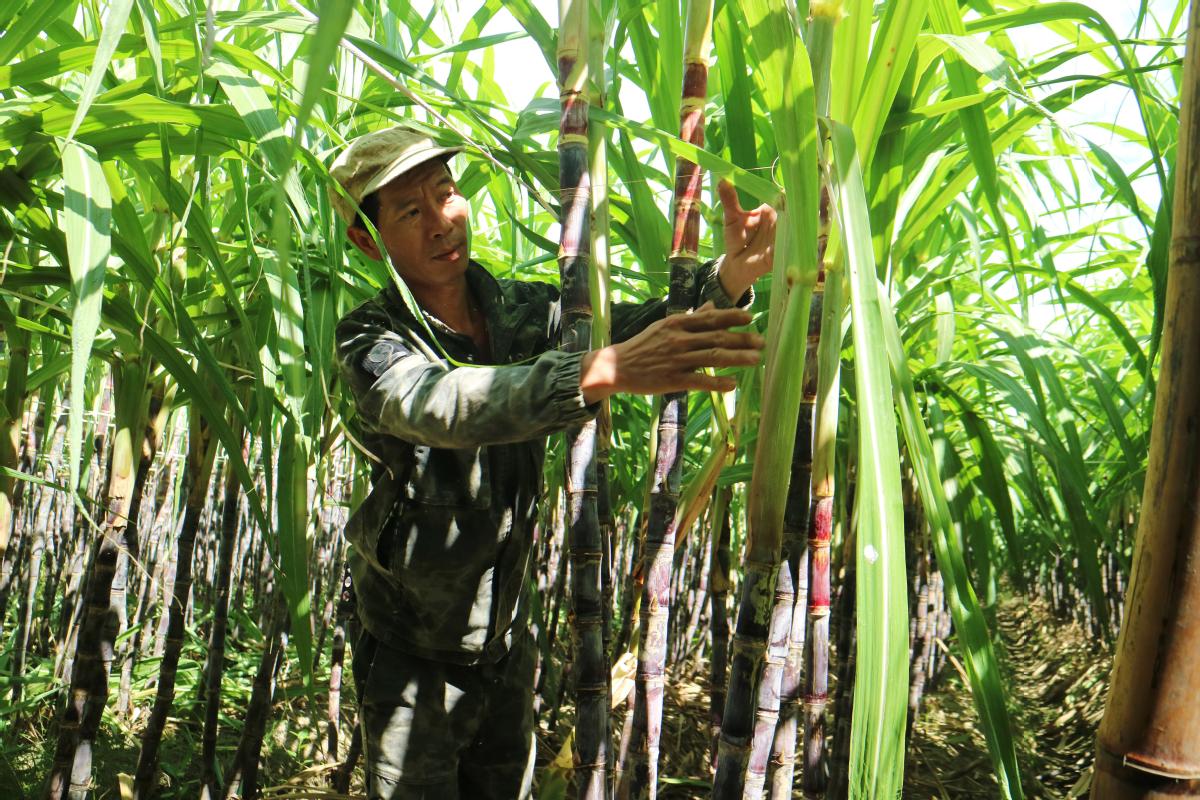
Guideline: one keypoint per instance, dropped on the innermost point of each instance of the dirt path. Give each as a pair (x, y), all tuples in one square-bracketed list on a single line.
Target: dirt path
[(1057, 674)]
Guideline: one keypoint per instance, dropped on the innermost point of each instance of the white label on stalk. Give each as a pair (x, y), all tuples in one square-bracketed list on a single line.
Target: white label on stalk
[(871, 554)]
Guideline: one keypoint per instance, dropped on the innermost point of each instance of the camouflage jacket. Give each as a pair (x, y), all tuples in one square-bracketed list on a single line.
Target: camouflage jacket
[(441, 545)]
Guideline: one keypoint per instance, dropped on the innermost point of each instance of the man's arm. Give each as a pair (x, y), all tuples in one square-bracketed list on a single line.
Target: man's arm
[(668, 355), (402, 392)]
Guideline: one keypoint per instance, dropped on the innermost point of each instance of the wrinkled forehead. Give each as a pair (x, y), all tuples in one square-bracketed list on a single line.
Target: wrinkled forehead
[(409, 185)]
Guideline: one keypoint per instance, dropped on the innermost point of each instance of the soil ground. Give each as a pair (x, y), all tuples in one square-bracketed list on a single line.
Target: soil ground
[(1058, 675), (1056, 671)]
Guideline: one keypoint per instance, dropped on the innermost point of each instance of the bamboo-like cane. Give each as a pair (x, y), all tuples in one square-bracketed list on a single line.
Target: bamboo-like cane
[(216, 642), (1148, 745), (820, 536), (661, 531), (95, 645), (598, 278), (201, 452), (825, 15), (242, 778), (583, 525), (762, 641), (11, 413), (781, 770), (718, 582)]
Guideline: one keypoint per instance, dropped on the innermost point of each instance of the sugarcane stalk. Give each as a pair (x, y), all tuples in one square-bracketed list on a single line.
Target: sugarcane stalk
[(242, 778), (201, 452), (598, 284), (148, 552), (847, 635), (797, 516), (28, 601), (824, 16), (689, 645), (1147, 745), (209, 787), (719, 584), (583, 525), (11, 414), (794, 594), (72, 773), (659, 549), (820, 536), (767, 500), (770, 687)]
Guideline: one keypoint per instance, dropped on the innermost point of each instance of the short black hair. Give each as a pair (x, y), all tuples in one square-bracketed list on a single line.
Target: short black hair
[(369, 208)]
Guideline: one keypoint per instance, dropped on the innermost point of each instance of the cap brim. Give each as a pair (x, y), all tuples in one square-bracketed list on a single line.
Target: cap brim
[(404, 163)]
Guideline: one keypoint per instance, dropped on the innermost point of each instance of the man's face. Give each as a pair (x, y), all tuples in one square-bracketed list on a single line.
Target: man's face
[(423, 224)]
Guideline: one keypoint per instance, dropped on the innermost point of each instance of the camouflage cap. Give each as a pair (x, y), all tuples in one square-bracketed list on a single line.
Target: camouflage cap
[(376, 158)]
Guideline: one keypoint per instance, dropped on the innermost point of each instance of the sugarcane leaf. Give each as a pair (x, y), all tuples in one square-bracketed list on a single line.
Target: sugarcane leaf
[(255, 109), (883, 73), (34, 479), (334, 17), (56, 119), (87, 222), (29, 23), (110, 36), (946, 18), (736, 88), (877, 731), (292, 513), (975, 642), (150, 28)]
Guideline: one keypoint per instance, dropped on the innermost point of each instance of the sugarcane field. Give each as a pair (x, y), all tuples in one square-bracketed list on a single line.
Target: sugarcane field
[(599, 399)]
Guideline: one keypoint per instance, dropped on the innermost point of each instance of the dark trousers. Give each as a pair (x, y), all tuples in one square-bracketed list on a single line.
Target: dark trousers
[(444, 731)]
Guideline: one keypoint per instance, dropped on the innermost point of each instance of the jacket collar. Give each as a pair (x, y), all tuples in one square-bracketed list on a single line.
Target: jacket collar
[(497, 306)]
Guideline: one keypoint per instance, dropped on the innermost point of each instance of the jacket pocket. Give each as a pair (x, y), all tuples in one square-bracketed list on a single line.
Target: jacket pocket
[(453, 478), (368, 527)]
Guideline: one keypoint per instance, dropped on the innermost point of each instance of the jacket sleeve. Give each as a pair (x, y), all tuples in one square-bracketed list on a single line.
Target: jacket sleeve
[(402, 390), (630, 319)]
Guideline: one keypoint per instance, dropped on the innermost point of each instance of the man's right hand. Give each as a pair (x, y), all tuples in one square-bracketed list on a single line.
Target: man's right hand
[(669, 354)]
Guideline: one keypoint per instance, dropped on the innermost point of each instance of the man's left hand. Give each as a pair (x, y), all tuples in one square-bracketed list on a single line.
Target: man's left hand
[(749, 242)]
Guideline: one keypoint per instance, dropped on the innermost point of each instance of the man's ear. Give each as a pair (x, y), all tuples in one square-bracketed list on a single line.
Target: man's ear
[(364, 242)]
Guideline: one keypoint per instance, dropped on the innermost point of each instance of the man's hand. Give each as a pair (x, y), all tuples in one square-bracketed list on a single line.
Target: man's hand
[(667, 356), (749, 242)]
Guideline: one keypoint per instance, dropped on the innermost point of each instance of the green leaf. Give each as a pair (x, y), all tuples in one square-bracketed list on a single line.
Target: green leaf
[(880, 687), (974, 640), (87, 222), (34, 19), (110, 36), (292, 513)]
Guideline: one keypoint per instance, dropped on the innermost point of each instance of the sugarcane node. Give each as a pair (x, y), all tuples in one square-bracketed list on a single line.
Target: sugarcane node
[(1185, 250), (735, 743), (599, 687), (745, 646), (586, 558), (1148, 773)]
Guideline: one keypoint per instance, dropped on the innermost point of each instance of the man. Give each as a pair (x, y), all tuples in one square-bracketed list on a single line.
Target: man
[(444, 666)]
